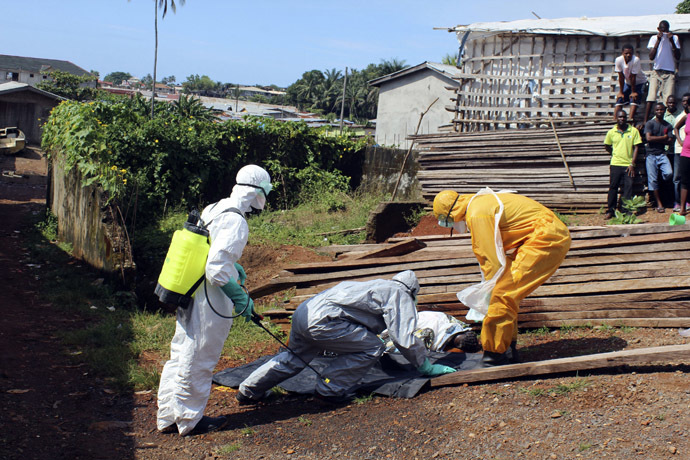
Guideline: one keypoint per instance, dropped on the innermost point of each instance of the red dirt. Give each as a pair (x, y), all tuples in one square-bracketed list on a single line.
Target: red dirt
[(53, 408)]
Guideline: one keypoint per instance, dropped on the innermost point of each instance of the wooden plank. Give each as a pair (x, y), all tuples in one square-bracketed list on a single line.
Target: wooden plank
[(396, 249), (637, 357), (606, 314), (618, 322)]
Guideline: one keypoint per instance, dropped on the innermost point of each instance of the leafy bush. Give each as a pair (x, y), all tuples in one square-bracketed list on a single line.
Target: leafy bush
[(183, 158), (632, 206)]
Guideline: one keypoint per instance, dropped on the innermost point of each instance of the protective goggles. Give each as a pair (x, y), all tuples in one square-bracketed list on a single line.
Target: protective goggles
[(265, 187)]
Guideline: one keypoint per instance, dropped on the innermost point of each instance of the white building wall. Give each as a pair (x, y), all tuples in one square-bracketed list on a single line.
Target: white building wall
[(403, 99)]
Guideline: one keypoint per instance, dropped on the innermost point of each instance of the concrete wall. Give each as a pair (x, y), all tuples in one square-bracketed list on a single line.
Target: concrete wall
[(402, 100), (27, 111), (88, 223), (382, 168)]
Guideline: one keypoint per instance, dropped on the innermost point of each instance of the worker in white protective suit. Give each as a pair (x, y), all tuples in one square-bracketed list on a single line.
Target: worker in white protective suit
[(499, 223), (345, 320), (200, 332)]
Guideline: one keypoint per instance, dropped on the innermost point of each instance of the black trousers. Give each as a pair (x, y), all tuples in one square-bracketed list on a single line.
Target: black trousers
[(618, 177)]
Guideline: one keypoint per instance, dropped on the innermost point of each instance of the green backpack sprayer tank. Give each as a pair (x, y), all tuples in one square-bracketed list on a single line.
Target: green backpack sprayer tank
[(185, 263)]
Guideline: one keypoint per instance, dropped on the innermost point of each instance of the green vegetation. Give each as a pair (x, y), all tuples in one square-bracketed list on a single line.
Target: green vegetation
[(632, 207), (559, 390), (229, 448), (584, 446), (364, 399), (304, 421), (70, 86), (316, 222), (181, 157), (565, 218), (576, 385)]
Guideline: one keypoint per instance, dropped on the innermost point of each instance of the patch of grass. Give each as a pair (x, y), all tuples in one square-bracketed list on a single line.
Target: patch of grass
[(606, 328), (364, 399), (565, 388), (314, 224), (660, 417), (247, 431), (566, 329), (304, 421), (584, 446), (628, 329), (565, 218), (229, 448), (541, 331), (534, 392)]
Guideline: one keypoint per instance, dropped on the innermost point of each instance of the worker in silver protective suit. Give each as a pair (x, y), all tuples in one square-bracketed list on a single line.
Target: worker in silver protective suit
[(345, 320), (200, 333)]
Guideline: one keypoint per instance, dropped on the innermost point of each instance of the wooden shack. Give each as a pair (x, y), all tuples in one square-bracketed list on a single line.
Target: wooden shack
[(534, 102)]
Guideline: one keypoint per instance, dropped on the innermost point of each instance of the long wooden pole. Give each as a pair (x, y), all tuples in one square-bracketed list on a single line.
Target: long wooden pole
[(402, 168), (560, 149)]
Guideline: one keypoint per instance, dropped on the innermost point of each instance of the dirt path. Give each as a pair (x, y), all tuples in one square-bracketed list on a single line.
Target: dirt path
[(52, 408)]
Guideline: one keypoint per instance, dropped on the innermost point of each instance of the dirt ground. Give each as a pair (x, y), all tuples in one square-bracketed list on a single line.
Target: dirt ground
[(54, 408)]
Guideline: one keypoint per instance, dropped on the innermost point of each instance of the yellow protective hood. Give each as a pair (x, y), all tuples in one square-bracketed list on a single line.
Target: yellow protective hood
[(447, 198)]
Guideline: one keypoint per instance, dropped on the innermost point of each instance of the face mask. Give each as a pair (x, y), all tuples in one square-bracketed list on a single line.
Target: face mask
[(460, 227), (253, 211), (445, 223)]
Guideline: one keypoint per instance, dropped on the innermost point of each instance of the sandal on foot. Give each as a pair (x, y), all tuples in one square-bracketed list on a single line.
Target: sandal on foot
[(660, 210)]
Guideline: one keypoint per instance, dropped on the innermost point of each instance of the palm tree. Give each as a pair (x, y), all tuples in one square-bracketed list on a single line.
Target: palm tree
[(159, 4)]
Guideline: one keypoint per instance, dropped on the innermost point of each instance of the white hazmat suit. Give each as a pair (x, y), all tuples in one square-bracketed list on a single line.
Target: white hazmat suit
[(200, 333), (345, 320)]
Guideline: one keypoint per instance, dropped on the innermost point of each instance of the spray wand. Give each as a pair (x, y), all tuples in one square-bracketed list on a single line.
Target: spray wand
[(256, 319)]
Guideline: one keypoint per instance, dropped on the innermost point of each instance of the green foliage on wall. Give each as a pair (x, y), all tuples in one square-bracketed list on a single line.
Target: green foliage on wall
[(182, 160)]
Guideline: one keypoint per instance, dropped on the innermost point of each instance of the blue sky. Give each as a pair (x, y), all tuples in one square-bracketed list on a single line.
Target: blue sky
[(265, 41)]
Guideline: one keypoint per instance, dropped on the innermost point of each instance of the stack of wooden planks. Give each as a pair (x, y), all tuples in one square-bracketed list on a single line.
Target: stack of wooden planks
[(564, 167), (632, 275)]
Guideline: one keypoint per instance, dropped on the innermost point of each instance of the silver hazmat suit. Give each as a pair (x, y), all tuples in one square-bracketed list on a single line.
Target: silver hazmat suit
[(345, 320), (199, 333)]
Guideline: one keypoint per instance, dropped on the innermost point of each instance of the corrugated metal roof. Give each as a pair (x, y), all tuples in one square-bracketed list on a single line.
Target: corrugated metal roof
[(38, 65), (13, 86), (614, 26), (446, 70)]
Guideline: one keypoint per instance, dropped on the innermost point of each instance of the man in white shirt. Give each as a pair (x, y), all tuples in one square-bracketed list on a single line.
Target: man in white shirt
[(664, 50), (631, 80)]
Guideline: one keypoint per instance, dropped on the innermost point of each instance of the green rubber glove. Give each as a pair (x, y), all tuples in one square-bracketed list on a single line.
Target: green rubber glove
[(240, 298), (434, 370), (243, 274)]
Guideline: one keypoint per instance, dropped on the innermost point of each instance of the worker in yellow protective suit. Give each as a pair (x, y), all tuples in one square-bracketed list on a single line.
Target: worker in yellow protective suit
[(521, 253)]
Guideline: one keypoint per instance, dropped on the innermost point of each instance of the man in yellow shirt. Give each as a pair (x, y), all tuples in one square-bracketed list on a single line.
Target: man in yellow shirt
[(499, 223), (622, 142)]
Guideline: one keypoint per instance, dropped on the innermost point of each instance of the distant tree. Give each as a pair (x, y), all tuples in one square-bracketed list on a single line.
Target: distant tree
[(683, 7), (147, 80), (260, 98), (117, 78), (95, 73), (192, 107), (168, 80), (388, 66), (199, 84), (451, 59), (69, 85), (164, 5)]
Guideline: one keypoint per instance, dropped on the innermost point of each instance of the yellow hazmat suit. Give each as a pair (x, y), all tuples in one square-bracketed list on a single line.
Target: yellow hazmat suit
[(535, 241)]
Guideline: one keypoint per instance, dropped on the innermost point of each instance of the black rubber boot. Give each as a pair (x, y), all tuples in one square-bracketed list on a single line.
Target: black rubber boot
[(514, 355), (244, 400), (208, 424), (492, 359)]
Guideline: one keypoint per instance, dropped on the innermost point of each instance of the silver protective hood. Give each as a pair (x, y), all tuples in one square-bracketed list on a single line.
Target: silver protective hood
[(409, 280)]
